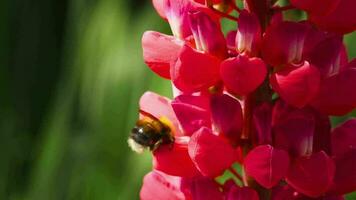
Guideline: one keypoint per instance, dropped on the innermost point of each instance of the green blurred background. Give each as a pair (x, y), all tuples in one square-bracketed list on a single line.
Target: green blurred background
[(71, 74)]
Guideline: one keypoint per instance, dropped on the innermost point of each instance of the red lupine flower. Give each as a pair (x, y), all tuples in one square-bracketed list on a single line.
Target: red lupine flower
[(257, 99), (242, 75)]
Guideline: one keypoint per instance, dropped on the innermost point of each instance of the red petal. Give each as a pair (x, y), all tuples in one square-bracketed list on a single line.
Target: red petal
[(203, 188), (177, 14), (341, 20), (335, 96), (159, 6), (266, 165), (207, 34), (160, 107), (283, 193), (210, 153), (262, 119), (160, 186), (230, 39), (316, 7), (194, 70), (343, 138), (227, 116), (248, 38), (174, 160), (297, 86), (322, 133), (283, 43), (326, 55), (293, 129), (159, 50), (345, 176), (192, 112), (312, 175), (242, 193), (242, 75)]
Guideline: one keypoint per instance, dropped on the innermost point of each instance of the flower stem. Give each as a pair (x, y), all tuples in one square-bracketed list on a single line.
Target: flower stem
[(236, 174)]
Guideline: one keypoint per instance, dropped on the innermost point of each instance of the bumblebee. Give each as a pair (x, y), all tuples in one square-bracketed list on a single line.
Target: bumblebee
[(149, 133)]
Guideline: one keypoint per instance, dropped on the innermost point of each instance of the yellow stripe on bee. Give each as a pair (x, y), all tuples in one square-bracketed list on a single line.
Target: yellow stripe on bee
[(164, 120)]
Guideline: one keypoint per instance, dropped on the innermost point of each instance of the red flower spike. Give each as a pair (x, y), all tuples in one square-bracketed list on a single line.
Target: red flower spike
[(207, 34), (242, 75), (297, 85), (342, 20), (308, 177), (194, 70), (192, 113), (316, 7), (248, 37), (283, 43), (159, 50), (266, 165), (343, 138), (203, 188), (168, 187), (174, 159), (210, 153), (227, 117), (160, 107), (345, 176), (342, 101), (262, 119), (242, 193)]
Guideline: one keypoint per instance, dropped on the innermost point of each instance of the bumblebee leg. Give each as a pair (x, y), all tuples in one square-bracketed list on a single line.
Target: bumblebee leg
[(156, 145)]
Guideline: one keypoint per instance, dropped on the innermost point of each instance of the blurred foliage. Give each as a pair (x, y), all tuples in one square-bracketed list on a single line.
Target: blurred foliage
[(70, 79)]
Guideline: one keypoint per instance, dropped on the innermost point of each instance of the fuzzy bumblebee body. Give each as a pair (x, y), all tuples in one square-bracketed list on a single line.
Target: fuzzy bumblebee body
[(149, 133)]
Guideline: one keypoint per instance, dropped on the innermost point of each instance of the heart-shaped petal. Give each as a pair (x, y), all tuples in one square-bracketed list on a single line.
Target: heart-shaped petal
[(267, 165), (242, 75), (297, 85), (312, 175), (210, 153)]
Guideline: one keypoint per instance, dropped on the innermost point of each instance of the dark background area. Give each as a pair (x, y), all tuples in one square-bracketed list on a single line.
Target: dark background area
[(71, 74)]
